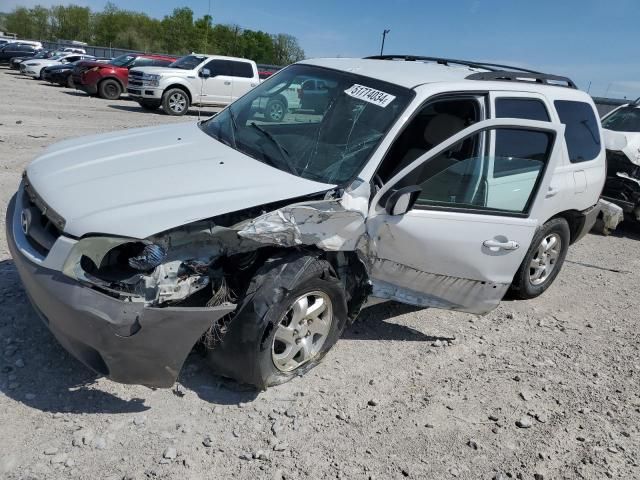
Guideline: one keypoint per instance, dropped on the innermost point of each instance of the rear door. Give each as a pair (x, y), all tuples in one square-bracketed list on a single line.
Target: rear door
[(243, 78), (217, 88), (462, 242)]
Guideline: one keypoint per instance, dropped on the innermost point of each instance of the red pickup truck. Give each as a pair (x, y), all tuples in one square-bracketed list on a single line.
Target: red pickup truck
[(109, 80)]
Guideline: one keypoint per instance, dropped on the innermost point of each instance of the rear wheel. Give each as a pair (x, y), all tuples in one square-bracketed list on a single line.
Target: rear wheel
[(175, 102), (544, 259), (293, 313), (110, 89)]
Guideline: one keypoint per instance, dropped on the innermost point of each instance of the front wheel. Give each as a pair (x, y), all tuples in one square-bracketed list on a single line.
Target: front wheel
[(175, 102), (110, 89), (275, 110), (294, 311), (544, 259)]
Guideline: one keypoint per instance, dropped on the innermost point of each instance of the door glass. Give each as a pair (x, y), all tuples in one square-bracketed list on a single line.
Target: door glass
[(465, 178), (219, 67), (526, 108), (242, 69)]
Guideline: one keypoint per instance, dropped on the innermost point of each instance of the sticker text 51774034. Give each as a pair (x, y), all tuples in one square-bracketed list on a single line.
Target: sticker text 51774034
[(370, 95)]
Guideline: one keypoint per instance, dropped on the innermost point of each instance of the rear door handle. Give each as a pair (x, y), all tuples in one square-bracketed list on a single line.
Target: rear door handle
[(552, 192), (227, 83), (497, 245)]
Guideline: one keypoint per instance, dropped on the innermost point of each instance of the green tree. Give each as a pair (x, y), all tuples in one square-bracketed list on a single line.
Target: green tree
[(287, 49), (19, 21), (178, 31)]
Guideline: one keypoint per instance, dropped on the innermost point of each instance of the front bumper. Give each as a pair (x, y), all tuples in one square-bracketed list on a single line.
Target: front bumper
[(144, 92), (124, 341)]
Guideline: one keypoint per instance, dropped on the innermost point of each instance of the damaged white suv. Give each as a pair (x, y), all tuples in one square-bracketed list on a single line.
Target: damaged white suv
[(433, 182)]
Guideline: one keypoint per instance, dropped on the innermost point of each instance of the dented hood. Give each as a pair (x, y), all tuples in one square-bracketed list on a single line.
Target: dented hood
[(143, 181)]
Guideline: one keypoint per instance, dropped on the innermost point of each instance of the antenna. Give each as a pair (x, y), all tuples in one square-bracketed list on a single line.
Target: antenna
[(206, 41)]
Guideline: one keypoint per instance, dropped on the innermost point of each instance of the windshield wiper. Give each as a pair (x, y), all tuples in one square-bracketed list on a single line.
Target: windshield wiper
[(234, 128), (283, 151)]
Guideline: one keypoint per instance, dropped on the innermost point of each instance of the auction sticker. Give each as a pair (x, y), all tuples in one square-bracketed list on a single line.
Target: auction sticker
[(370, 95)]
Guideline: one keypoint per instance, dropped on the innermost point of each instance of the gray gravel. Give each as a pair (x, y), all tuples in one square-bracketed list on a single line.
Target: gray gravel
[(439, 412)]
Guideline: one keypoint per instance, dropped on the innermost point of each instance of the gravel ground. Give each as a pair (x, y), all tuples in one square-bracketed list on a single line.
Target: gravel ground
[(535, 390)]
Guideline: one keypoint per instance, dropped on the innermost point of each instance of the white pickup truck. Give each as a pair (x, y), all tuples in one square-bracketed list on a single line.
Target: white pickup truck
[(192, 80)]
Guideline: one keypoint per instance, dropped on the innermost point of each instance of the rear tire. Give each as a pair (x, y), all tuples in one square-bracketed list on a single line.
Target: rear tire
[(293, 313), (543, 261), (175, 101), (109, 89)]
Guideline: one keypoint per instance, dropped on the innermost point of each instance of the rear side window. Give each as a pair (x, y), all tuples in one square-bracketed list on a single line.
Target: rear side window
[(525, 108), (581, 131), (219, 67), (242, 69)]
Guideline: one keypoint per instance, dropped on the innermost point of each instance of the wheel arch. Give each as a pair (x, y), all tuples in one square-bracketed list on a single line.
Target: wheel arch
[(181, 87), (576, 221)]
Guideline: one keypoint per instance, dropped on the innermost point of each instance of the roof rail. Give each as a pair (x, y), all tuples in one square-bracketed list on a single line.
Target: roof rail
[(544, 78), (492, 67)]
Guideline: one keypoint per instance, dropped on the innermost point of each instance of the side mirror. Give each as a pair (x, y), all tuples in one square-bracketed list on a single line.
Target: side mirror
[(402, 200), (615, 141), (205, 73)]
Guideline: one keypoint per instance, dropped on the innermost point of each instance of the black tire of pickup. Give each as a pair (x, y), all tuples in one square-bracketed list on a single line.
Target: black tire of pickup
[(175, 101), (109, 89)]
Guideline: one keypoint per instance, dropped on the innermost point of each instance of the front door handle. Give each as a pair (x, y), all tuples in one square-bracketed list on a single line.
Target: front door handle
[(552, 192), (497, 245), (227, 83)]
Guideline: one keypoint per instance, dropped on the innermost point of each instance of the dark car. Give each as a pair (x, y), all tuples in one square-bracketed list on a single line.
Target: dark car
[(62, 74), (14, 49), (15, 62)]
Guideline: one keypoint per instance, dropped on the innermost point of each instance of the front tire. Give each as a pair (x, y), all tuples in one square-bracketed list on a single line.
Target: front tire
[(544, 260), (110, 89), (294, 311), (275, 110), (175, 102)]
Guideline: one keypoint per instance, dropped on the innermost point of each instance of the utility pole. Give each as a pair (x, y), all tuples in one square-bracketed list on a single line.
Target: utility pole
[(384, 34)]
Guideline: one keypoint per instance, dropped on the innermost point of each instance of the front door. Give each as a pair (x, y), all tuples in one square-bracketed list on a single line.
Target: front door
[(463, 240), (217, 88)]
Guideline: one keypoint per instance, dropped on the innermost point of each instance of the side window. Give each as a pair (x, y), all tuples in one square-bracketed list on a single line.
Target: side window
[(161, 63), (581, 131), (525, 108), (461, 176), (514, 145), (72, 58), (242, 69), (434, 123), (143, 62), (219, 67)]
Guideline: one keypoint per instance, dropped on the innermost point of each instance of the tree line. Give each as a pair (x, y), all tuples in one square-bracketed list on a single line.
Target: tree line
[(178, 33)]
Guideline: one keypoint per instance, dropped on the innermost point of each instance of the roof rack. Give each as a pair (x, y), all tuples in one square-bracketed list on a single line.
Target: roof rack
[(493, 67), (544, 78), (495, 71)]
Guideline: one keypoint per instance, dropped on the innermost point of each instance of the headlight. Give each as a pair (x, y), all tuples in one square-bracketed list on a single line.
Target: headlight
[(112, 259), (151, 79)]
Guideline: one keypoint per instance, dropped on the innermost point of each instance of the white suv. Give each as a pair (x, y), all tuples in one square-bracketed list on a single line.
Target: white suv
[(432, 182), (192, 80)]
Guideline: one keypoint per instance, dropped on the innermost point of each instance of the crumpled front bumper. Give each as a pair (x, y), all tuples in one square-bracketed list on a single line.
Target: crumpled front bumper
[(125, 341)]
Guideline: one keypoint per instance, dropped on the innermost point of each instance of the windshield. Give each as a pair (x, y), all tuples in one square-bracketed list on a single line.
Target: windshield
[(122, 60), (313, 122), (626, 119), (188, 63)]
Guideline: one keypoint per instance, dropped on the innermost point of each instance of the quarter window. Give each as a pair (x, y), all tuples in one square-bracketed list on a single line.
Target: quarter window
[(581, 131)]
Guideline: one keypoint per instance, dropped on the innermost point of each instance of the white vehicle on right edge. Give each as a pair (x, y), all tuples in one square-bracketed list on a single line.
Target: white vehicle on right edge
[(210, 80)]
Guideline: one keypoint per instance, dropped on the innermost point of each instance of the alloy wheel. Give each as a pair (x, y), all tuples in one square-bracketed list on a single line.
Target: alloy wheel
[(545, 259), (177, 102), (302, 331)]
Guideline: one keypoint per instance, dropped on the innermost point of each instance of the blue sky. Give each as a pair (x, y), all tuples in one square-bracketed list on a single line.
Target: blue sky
[(589, 40)]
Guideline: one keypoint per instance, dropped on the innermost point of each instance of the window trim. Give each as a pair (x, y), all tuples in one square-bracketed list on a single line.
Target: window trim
[(526, 213), (528, 98), (479, 95)]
